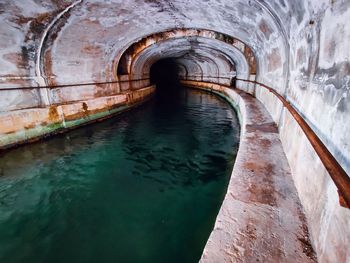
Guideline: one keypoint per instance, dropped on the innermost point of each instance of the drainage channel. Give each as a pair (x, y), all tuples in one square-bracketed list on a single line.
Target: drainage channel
[(145, 186)]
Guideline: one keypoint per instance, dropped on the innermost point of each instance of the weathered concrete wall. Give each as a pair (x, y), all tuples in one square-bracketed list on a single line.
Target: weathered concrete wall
[(319, 84), (27, 125), (328, 221), (320, 73)]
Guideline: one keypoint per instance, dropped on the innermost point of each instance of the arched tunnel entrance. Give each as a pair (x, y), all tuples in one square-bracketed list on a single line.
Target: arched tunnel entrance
[(164, 74)]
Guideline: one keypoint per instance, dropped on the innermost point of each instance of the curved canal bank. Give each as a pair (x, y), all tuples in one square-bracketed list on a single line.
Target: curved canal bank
[(262, 203)]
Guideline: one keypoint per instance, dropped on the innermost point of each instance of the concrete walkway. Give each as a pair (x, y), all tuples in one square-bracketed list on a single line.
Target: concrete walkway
[(261, 219)]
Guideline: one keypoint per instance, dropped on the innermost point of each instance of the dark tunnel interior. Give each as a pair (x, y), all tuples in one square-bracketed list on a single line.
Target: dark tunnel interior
[(165, 75)]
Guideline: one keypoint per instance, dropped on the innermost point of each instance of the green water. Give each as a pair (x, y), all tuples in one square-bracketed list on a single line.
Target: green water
[(145, 186)]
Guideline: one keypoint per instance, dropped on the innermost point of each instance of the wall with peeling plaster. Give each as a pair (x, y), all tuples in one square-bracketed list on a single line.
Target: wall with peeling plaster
[(300, 48)]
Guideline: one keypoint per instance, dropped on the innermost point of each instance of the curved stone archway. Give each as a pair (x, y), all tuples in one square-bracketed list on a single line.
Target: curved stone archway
[(194, 39)]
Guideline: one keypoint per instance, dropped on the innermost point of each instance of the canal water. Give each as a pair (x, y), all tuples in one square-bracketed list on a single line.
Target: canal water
[(144, 186)]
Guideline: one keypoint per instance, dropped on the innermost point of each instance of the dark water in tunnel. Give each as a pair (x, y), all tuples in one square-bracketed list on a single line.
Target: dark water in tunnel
[(145, 186)]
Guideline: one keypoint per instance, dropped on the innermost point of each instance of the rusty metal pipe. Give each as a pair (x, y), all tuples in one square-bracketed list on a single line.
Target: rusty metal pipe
[(74, 84)]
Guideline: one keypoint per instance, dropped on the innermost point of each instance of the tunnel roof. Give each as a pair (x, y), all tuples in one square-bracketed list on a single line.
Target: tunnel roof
[(56, 42)]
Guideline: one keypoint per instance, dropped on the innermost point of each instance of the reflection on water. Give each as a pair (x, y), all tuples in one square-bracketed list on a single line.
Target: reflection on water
[(145, 186)]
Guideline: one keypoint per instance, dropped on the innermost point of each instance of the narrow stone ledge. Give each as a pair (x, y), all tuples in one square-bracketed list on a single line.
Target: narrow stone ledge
[(261, 218)]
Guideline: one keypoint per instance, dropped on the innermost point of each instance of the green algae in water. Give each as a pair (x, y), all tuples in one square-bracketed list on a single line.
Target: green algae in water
[(145, 186)]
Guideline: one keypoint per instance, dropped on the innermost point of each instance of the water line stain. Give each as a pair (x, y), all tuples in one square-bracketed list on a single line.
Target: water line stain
[(145, 186)]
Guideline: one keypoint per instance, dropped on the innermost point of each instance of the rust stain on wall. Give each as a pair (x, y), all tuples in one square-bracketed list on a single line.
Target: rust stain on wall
[(53, 114), (263, 26), (301, 56), (38, 25), (85, 107), (249, 54), (274, 60), (92, 49), (18, 59), (48, 68)]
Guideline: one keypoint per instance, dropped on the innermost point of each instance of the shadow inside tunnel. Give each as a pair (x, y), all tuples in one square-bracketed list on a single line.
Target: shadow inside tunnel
[(165, 75)]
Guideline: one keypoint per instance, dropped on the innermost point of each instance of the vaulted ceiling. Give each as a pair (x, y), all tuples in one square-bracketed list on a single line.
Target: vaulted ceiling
[(77, 41)]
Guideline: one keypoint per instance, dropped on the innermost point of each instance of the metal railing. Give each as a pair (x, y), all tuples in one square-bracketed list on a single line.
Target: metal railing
[(340, 178), (73, 85)]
